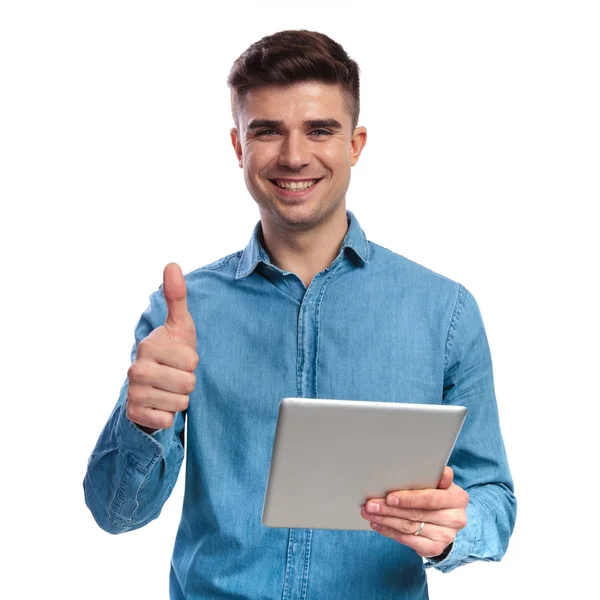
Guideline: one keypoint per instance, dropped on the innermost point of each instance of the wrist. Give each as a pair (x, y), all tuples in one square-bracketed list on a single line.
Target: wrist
[(443, 555)]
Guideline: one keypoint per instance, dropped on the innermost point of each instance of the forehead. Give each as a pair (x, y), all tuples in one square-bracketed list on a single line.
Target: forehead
[(297, 102)]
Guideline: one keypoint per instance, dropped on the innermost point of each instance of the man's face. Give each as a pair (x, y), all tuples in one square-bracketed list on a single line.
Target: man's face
[(296, 146)]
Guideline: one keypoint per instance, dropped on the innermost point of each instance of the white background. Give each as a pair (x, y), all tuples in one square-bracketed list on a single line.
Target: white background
[(482, 163)]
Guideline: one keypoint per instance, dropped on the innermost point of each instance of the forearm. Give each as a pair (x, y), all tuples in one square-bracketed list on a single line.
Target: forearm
[(479, 458), (131, 474)]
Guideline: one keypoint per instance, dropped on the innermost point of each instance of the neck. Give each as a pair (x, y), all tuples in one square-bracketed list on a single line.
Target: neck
[(306, 252)]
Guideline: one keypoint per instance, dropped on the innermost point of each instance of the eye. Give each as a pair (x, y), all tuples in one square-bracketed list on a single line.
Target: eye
[(320, 132), (267, 132)]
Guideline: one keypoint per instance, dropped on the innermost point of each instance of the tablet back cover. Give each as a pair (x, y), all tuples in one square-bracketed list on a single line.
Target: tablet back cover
[(330, 456)]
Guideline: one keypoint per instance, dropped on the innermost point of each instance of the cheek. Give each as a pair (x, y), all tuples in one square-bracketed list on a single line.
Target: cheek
[(257, 163), (336, 159)]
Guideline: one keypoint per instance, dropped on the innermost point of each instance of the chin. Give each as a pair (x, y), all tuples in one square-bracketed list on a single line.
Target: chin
[(301, 218), (295, 220)]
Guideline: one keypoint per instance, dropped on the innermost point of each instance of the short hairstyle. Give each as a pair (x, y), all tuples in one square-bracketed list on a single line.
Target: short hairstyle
[(293, 56)]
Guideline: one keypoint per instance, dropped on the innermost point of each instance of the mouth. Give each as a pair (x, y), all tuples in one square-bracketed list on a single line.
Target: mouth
[(294, 188)]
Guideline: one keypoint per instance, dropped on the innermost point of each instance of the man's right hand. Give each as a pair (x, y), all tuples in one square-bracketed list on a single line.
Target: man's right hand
[(162, 375)]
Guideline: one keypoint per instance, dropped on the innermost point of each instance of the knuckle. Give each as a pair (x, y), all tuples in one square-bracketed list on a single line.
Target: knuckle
[(142, 348), (137, 371), (184, 403), (461, 520), (166, 420), (447, 537), (417, 515), (134, 394), (407, 526), (434, 500), (132, 413), (404, 500), (132, 371), (438, 547), (193, 362), (428, 499), (190, 384)]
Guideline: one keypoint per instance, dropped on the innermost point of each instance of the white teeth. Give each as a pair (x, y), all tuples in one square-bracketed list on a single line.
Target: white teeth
[(296, 185)]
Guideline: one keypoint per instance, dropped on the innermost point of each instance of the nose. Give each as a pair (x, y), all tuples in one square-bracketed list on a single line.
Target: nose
[(294, 151)]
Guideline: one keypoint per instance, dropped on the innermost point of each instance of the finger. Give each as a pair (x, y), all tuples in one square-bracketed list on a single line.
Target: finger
[(453, 497), (447, 479), (164, 378), (451, 517), (151, 418), (428, 530), (168, 352), (145, 396), (175, 292)]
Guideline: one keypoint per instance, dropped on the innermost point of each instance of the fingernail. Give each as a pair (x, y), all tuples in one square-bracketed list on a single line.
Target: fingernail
[(373, 507), (393, 500), (375, 526)]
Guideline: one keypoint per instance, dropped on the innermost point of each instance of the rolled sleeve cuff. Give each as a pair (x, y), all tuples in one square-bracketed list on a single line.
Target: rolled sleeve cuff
[(142, 448), (464, 548)]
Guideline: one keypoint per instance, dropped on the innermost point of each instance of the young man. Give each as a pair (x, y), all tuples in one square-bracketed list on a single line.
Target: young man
[(309, 308)]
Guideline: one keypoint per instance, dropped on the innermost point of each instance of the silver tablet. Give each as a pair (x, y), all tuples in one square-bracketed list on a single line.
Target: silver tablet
[(330, 456)]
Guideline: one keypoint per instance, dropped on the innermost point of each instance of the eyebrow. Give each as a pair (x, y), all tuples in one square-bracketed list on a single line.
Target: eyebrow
[(309, 124)]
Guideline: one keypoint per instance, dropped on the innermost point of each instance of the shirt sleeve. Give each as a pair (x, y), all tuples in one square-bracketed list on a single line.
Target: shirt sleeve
[(479, 458), (130, 474)]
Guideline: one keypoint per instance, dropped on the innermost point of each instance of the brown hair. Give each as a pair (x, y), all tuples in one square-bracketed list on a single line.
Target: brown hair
[(288, 57)]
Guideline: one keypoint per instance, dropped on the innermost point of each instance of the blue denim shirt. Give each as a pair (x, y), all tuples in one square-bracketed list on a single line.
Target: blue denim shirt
[(372, 326)]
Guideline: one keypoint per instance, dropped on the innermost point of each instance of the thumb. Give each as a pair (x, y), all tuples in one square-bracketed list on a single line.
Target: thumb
[(447, 478), (175, 292)]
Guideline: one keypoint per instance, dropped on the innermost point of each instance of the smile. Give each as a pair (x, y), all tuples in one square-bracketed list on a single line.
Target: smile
[(294, 185)]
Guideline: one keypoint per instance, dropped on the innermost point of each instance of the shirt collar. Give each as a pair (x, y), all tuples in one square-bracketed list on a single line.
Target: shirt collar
[(254, 253)]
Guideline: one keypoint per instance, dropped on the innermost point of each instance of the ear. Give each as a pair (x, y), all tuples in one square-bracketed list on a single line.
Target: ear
[(357, 143), (237, 145)]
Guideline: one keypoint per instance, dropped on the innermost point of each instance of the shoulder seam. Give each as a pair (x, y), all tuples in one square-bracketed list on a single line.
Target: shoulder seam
[(412, 262), (218, 263), (456, 314)]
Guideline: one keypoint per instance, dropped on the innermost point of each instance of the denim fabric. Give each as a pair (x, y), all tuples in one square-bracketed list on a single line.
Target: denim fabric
[(372, 326)]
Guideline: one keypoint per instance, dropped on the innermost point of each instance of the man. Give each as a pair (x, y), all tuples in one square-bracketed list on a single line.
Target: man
[(309, 308)]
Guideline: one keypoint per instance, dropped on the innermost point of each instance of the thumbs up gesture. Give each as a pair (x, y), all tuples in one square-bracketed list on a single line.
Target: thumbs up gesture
[(162, 375)]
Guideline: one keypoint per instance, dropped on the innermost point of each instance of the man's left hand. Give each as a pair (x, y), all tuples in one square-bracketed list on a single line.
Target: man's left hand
[(435, 516)]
